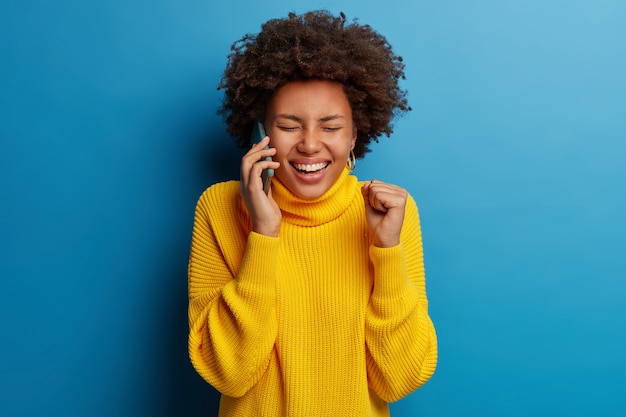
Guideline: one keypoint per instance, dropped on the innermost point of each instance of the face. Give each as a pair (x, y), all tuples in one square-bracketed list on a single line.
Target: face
[(310, 125)]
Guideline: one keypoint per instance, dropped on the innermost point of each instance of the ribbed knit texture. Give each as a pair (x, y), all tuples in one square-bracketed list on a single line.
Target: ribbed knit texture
[(316, 322)]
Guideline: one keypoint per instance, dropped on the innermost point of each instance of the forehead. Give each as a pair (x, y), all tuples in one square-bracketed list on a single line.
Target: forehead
[(310, 97)]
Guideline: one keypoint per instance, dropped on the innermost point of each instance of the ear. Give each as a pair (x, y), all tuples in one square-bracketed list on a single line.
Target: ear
[(354, 136)]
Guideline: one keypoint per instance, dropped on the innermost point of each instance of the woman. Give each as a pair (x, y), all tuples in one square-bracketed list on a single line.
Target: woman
[(309, 300)]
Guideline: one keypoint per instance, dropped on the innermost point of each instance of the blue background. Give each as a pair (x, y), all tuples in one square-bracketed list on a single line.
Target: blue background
[(514, 151)]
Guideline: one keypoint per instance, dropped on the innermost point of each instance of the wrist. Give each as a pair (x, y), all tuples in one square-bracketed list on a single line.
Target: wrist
[(386, 242), (266, 230)]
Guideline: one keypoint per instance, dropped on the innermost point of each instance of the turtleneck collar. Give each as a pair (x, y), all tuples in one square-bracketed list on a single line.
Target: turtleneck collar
[(323, 209)]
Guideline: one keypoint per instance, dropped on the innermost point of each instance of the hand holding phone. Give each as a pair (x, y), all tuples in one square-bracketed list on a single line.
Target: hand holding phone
[(258, 133)]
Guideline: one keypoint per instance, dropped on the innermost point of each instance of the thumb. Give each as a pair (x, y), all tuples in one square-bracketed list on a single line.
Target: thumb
[(365, 192)]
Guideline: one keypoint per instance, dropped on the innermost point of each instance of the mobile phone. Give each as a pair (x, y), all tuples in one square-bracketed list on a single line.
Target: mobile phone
[(258, 133)]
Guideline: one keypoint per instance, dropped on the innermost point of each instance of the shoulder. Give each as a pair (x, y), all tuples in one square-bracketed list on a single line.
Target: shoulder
[(219, 196), (221, 189)]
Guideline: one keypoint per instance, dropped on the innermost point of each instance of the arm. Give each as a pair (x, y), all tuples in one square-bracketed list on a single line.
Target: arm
[(231, 305), (232, 276), (400, 336)]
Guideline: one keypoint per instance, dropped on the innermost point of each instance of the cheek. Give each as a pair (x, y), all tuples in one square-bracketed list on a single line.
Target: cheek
[(277, 142), (342, 147), (281, 149)]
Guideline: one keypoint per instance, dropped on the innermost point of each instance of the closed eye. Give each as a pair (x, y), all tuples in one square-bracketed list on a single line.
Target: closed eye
[(289, 128)]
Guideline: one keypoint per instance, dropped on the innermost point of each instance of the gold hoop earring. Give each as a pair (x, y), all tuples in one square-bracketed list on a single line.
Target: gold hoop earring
[(351, 161)]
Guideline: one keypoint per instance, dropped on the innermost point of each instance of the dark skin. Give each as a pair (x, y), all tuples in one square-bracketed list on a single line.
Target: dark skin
[(324, 141)]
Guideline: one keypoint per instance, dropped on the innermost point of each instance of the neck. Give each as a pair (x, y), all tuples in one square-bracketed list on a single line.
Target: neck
[(323, 209)]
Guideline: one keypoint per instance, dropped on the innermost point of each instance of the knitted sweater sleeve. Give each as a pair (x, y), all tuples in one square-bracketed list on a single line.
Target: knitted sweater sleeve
[(400, 336), (232, 316)]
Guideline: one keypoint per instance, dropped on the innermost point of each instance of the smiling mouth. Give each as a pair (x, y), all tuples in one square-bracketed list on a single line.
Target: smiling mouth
[(311, 168)]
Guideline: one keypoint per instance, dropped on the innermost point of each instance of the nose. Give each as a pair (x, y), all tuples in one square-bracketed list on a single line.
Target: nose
[(310, 142)]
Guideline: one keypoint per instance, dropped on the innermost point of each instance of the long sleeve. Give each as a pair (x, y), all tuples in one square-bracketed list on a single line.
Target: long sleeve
[(315, 322), (400, 336), (232, 295)]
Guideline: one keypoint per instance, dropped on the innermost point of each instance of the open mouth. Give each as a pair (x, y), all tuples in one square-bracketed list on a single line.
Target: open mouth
[(308, 169)]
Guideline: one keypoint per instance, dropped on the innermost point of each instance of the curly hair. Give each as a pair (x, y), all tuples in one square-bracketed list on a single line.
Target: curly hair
[(314, 45)]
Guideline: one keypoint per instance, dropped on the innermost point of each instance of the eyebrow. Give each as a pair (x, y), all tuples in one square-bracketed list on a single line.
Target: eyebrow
[(322, 119)]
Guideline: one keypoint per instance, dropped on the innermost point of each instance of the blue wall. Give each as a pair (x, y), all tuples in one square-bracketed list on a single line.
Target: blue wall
[(514, 151)]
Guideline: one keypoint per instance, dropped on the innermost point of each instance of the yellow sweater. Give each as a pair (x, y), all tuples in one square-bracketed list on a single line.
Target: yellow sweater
[(315, 322)]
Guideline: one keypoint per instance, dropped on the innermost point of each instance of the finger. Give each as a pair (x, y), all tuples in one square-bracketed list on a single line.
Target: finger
[(366, 192), (252, 177), (384, 196), (388, 200), (371, 195), (260, 150), (262, 143), (258, 154), (378, 186), (377, 202)]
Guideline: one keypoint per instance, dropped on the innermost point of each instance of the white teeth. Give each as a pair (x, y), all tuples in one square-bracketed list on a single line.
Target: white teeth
[(311, 167)]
